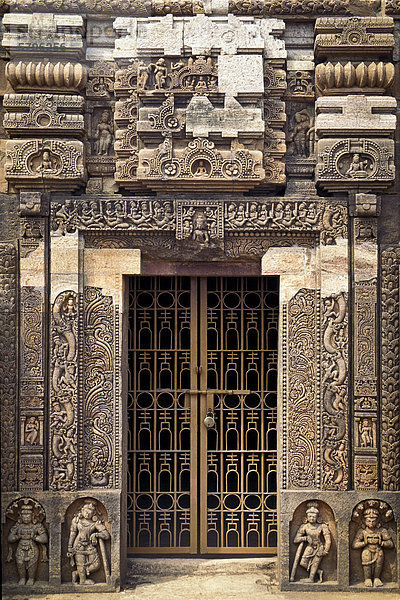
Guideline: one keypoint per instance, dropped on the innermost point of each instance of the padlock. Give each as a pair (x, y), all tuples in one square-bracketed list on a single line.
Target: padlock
[(209, 420)]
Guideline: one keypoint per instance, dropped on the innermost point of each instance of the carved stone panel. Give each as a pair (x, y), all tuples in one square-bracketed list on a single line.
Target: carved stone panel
[(100, 431), (90, 563), (373, 544), (301, 391), (366, 163), (8, 373), (58, 163), (390, 332), (334, 373), (64, 392), (25, 541), (313, 544)]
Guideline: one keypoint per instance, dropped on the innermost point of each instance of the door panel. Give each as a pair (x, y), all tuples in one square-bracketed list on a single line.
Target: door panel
[(198, 344), (162, 447), (239, 318)]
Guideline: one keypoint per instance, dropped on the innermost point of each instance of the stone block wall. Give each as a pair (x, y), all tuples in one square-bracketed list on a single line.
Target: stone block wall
[(258, 134)]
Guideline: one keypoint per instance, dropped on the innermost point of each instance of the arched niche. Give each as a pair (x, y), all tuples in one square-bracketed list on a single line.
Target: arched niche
[(84, 517), (325, 531), (373, 519), (25, 527)]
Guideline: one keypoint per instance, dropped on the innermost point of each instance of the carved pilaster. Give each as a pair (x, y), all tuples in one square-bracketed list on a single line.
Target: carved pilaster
[(390, 375), (302, 385), (8, 363), (334, 373), (100, 450), (64, 392), (364, 209)]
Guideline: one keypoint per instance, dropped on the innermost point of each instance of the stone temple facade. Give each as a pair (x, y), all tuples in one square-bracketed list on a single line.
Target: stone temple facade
[(200, 269)]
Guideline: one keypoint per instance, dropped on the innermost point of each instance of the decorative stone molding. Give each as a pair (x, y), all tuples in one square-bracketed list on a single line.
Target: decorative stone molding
[(58, 163), (302, 384), (54, 34), (348, 116), (364, 163), (390, 376), (142, 8), (360, 36), (353, 78), (161, 215), (26, 76), (100, 449), (36, 112), (200, 160), (8, 372), (334, 373), (32, 372), (64, 393)]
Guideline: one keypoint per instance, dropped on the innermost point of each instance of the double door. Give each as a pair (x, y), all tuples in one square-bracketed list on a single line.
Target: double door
[(202, 408)]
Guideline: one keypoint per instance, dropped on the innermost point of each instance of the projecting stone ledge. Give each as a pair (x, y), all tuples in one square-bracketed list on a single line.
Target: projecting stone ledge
[(203, 119)]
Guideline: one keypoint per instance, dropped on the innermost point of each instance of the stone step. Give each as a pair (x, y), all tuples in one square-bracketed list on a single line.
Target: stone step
[(150, 569)]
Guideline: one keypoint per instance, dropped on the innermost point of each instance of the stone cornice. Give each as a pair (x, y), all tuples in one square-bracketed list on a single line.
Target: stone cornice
[(142, 8)]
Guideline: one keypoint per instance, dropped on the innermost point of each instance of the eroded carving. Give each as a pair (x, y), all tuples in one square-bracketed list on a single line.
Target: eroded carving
[(58, 162), (390, 332), (334, 365), (8, 374), (372, 538), (100, 82), (30, 536), (64, 381), (303, 390), (42, 112), (100, 447), (86, 544), (314, 542)]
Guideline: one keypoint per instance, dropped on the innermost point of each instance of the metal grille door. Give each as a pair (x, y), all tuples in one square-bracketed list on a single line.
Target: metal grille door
[(202, 347)]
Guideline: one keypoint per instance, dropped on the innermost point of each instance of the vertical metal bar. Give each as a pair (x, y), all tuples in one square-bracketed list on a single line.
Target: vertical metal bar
[(202, 410), (194, 425)]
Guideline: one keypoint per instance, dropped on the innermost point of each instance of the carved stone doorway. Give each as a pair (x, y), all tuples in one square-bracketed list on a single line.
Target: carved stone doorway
[(202, 347)]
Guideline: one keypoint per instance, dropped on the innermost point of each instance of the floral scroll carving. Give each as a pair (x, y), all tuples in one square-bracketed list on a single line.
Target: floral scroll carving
[(8, 376), (334, 371), (100, 446), (303, 390), (390, 410), (64, 392)]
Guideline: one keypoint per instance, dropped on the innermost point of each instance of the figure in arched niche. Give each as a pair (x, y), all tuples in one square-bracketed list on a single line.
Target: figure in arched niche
[(31, 538), (104, 134), (86, 537), (314, 542), (372, 538)]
